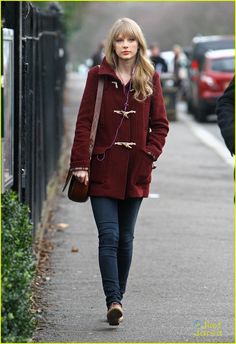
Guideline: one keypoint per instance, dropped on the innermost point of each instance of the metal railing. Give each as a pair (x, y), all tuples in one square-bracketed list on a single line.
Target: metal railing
[(39, 74)]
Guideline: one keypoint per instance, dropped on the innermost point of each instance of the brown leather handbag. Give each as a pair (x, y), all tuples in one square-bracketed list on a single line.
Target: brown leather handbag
[(78, 192)]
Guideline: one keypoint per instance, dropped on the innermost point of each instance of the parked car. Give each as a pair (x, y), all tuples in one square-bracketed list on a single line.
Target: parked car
[(199, 46), (217, 71)]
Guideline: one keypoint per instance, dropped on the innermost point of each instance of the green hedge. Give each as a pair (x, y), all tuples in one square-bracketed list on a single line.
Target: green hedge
[(18, 270)]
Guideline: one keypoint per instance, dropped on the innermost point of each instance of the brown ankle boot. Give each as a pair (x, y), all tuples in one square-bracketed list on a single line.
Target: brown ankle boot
[(115, 314)]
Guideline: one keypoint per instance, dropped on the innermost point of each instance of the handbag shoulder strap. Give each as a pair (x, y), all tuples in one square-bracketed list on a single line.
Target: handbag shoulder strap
[(94, 126), (97, 110), (68, 177)]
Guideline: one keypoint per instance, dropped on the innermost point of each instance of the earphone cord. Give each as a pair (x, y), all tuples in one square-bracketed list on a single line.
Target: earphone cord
[(101, 157)]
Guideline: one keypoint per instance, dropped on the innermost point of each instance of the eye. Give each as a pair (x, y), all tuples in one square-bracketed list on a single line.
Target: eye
[(118, 40)]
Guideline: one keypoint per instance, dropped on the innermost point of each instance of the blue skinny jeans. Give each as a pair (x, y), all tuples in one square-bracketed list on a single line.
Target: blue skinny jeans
[(115, 220)]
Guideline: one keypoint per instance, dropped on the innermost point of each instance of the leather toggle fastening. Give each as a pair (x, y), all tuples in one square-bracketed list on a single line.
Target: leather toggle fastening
[(126, 144), (115, 83), (124, 113)]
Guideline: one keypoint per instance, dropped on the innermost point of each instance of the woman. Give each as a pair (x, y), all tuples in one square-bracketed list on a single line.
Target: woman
[(124, 151), (180, 70)]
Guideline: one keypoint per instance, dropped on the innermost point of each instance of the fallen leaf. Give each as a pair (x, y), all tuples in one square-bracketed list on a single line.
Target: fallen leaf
[(62, 226), (74, 249)]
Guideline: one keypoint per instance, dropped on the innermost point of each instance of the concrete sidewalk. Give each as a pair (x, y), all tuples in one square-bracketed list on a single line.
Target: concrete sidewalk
[(181, 278)]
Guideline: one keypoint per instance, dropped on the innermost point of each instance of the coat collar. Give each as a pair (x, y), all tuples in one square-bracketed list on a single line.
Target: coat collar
[(106, 69)]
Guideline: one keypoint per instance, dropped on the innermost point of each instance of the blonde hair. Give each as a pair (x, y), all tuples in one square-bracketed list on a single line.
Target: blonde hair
[(144, 70)]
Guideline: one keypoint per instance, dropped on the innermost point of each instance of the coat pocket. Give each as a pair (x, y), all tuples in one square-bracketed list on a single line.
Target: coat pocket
[(98, 166), (144, 168)]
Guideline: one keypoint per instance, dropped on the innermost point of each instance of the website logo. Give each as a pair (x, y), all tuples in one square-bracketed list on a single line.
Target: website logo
[(205, 328)]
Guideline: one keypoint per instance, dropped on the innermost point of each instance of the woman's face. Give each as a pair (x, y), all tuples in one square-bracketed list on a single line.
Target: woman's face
[(126, 47)]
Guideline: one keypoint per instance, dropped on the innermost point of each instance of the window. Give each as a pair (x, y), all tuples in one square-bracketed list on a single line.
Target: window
[(223, 64), (8, 108)]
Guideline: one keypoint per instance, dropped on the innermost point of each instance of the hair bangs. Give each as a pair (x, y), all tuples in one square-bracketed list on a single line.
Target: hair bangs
[(125, 29)]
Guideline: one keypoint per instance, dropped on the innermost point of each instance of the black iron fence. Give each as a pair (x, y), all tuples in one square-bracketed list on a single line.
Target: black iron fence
[(37, 119)]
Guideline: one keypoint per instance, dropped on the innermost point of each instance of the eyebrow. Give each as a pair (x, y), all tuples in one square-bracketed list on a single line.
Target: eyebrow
[(122, 36)]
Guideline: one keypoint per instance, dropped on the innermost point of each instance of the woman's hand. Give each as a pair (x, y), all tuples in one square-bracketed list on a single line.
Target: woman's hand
[(82, 176)]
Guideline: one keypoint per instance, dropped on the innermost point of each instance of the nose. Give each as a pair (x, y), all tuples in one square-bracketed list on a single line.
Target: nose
[(125, 43)]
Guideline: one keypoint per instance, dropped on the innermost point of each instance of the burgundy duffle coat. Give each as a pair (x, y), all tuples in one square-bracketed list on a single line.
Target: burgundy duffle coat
[(118, 171)]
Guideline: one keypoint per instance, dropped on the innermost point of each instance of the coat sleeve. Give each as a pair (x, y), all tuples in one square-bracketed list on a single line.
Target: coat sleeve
[(225, 114), (80, 148), (158, 121)]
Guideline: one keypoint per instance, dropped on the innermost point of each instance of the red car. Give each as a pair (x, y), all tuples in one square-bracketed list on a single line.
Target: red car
[(217, 71)]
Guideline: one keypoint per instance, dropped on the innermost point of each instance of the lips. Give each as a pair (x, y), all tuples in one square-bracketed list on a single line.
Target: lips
[(125, 52)]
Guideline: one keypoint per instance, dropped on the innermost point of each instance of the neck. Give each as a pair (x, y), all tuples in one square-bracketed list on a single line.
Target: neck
[(126, 67)]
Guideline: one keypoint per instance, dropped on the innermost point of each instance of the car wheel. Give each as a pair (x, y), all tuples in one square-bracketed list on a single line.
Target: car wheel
[(190, 107), (201, 112)]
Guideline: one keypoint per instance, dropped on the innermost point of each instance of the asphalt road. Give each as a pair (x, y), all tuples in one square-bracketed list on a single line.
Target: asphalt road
[(210, 125), (180, 286)]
